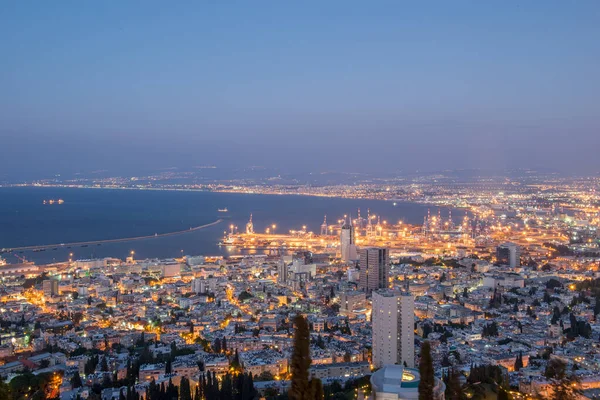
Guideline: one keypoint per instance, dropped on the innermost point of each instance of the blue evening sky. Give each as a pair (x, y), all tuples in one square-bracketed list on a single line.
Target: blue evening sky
[(373, 86)]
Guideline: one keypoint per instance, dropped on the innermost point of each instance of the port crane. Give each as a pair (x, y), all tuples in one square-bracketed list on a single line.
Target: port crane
[(22, 259)]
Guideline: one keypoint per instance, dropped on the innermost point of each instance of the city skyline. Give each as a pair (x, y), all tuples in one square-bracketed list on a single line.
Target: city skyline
[(304, 87), (334, 200)]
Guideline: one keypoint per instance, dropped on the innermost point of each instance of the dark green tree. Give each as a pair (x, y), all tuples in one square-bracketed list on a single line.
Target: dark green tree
[(427, 382), (76, 381), (317, 388), (347, 357), (300, 388), (185, 392), (226, 392), (564, 386), (453, 387), (171, 392), (519, 361), (217, 345), (235, 362), (104, 364)]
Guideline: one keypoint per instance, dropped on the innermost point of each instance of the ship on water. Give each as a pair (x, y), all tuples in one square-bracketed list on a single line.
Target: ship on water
[(52, 201), (223, 210)]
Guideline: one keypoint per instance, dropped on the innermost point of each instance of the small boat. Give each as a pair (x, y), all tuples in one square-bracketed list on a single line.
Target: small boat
[(223, 209)]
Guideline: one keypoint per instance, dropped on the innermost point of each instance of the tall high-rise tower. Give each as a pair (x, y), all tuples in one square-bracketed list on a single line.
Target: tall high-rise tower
[(374, 268), (282, 270), (347, 247), (509, 254), (393, 328)]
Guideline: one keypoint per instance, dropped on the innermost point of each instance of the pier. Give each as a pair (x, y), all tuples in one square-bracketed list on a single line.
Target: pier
[(119, 240)]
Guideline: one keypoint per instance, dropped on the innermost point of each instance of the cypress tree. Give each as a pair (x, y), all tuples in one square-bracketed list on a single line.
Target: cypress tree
[(246, 392), (237, 385), (519, 361), (453, 387), (76, 381), (129, 371), (104, 364), (172, 392), (300, 387), (163, 393), (213, 387), (208, 387), (253, 391), (427, 382), (317, 388), (202, 387), (185, 392), (226, 388)]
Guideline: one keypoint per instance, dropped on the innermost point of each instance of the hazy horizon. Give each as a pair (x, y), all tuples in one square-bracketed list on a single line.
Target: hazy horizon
[(311, 86)]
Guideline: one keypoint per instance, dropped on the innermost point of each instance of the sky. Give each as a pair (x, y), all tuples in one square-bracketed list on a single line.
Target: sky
[(355, 86)]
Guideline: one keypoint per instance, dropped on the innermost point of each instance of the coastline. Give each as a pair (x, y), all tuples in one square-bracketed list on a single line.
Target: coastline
[(200, 190)]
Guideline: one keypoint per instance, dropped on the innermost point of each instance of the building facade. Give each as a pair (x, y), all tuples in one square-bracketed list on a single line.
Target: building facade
[(374, 268), (508, 254), (347, 246), (393, 328), (50, 287)]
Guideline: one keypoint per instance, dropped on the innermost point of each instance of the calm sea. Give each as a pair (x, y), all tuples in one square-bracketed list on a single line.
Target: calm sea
[(96, 214)]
